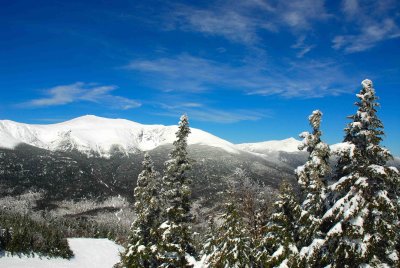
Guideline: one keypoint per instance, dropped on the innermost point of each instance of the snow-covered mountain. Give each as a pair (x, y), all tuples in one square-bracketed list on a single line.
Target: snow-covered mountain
[(93, 134), (53, 158), (288, 145), (90, 134)]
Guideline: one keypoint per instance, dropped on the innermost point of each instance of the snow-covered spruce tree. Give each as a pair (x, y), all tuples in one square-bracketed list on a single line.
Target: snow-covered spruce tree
[(232, 245), (311, 178), (362, 225), (279, 243), (210, 239), (142, 249), (177, 241)]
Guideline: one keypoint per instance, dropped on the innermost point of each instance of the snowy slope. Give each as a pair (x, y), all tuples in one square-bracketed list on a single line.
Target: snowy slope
[(100, 135), (287, 145), (89, 252)]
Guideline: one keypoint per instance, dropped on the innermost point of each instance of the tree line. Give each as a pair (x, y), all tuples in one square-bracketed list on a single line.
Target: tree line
[(346, 217), (20, 234)]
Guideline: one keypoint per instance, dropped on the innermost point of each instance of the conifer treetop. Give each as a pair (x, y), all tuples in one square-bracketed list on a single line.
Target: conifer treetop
[(366, 129), (312, 172), (362, 223), (177, 240), (310, 140)]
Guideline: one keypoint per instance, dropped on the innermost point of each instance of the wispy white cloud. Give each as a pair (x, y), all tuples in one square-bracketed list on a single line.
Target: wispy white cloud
[(223, 116), (207, 114), (369, 36), (242, 21), (183, 72), (229, 23), (373, 22), (302, 79), (302, 47), (350, 7), (203, 109), (66, 94), (180, 105), (301, 14)]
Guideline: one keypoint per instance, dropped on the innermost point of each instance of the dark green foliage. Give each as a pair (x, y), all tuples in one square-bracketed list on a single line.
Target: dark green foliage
[(231, 246), (209, 241), (281, 233), (362, 225), (65, 175), (72, 175), (177, 240), (312, 180), (22, 235), (143, 241), (86, 227)]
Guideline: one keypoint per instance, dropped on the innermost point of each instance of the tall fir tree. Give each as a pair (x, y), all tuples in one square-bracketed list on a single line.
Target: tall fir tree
[(279, 243), (312, 180), (177, 240), (362, 225), (143, 241), (232, 245)]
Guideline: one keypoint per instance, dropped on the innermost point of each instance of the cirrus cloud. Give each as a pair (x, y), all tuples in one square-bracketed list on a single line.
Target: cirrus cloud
[(187, 73), (78, 92), (370, 23)]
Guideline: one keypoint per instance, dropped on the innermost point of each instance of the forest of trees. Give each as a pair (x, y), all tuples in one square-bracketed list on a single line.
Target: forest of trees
[(20, 234), (345, 217)]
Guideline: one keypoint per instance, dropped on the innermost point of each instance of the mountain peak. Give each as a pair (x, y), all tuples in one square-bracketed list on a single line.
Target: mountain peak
[(97, 122), (90, 133)]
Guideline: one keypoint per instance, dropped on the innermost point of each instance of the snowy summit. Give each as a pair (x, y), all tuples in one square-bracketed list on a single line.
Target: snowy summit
[(100, 135)]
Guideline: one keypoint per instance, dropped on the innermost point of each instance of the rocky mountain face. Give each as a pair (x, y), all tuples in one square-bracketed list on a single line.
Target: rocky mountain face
[(93, 157)]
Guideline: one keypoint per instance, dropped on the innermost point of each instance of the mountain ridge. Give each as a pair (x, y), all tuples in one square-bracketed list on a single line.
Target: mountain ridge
[(92, 133)]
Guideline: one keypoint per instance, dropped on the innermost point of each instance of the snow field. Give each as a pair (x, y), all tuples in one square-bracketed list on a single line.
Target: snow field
[(89, 252)]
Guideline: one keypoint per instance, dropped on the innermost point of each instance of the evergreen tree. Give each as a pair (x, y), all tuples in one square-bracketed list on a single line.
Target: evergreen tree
[(177, 229), (311, 178), (210, 239), (362, 225), (250, 198), (142, 249), (280, 241), (232, 246), (2, 239)]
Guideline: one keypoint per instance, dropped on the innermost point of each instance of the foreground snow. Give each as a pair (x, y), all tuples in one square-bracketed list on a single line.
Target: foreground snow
[(89, 252)]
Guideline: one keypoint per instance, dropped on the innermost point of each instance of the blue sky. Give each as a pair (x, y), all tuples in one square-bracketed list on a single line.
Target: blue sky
[(243, 70)]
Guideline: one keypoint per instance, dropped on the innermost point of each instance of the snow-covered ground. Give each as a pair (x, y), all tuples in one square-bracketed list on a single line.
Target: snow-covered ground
[(89, 252)]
